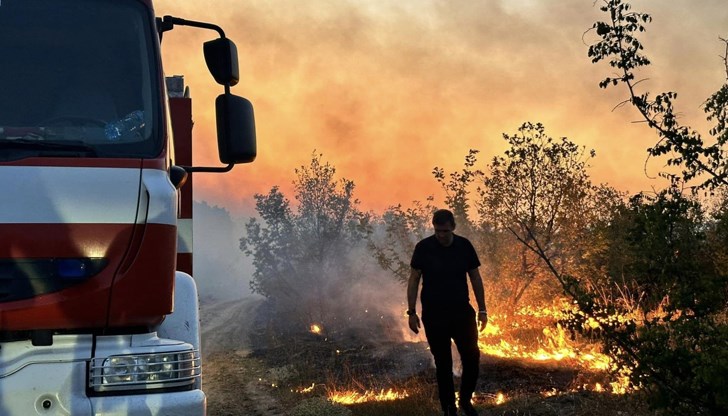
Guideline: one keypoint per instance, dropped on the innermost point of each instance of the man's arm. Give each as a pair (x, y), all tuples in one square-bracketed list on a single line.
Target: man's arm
[(477, 282), (413, 286)]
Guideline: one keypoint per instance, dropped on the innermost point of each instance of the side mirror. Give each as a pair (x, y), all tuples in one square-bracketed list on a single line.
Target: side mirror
[(235, 129), (221, 57)]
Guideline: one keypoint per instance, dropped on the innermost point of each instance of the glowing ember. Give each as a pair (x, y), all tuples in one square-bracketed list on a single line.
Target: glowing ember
[(315, 329), (353, 397), (500, 398), (621, 386), (308, 389), (550, 393)]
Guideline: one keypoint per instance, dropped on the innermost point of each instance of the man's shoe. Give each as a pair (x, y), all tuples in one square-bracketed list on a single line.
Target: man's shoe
[(468, 409), (451, 411)]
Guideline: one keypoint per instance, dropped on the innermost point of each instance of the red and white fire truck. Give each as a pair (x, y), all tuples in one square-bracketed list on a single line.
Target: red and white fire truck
[(98, 315)]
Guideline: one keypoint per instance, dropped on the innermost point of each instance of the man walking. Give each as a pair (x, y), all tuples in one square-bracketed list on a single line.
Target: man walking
[(443, 262)]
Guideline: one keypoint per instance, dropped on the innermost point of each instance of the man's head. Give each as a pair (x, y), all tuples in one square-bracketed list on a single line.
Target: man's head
[(444, 223)]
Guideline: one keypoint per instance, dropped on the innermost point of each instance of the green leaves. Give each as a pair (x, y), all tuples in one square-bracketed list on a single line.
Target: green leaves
[(660, 255), (619, 45)]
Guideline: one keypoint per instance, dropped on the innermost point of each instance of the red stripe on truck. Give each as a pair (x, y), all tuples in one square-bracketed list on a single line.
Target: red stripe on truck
[(139, 296)]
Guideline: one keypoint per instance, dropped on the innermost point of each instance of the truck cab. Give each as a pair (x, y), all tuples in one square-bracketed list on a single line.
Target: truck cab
[(95, 315)]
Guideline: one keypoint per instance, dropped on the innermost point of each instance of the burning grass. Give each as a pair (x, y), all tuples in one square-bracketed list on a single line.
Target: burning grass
[(354, 397), (528, 362), (535, 335)]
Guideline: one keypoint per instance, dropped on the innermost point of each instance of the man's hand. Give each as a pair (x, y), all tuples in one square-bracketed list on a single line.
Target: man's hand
[(414, 323), (482, 320)]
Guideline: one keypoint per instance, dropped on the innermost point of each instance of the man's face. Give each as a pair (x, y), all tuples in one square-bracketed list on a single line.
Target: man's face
[(443, 233)]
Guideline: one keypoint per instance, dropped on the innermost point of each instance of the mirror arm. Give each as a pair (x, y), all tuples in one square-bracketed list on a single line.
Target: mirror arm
[(170, 21), (221, 169)]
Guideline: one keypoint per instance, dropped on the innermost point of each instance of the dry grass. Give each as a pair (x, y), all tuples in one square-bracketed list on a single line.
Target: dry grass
[(271, 380), (239, 384), (570, 404)]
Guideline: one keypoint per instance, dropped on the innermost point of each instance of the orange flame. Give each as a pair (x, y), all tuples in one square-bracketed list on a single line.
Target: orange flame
[(555, 347), (554, 344), (353, 397), (308, 389)]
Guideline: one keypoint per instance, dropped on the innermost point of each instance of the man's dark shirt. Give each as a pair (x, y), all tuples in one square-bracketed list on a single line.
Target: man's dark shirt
[(444, 271)]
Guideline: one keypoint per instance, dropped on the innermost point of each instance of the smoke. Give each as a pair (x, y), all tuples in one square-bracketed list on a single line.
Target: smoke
[(348, 296), (375, 304), (390, 89), (402, 87), (221, 271)]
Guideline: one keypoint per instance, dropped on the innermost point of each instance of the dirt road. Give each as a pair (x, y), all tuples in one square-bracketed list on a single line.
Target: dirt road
[(225, 325), (232, 380)]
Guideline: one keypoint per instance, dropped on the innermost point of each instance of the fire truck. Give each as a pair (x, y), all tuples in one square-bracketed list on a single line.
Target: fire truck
[(98, 311)]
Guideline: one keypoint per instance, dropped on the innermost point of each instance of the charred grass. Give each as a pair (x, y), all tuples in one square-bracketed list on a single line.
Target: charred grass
[(309, 366)]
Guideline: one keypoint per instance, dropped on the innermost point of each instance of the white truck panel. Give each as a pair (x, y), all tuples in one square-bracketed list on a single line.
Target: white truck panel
[(45, 380), (186, 403), (71, 195), (184, 321), (65, 195), (162, 197), (58, 389)]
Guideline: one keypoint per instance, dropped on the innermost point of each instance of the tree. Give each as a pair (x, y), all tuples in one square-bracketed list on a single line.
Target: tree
[(670, 329), (457, 191), (717, 232), (536, 191), (393, 240), (304, 255), (663, 250), (620, 46)]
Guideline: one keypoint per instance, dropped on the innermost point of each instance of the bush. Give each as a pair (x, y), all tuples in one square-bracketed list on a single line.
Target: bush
[(661, 272)]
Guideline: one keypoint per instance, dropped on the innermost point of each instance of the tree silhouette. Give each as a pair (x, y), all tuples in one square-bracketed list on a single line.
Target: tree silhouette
[(663, 250), (398, 230), (620, 46), (538, 189), (303, 254)]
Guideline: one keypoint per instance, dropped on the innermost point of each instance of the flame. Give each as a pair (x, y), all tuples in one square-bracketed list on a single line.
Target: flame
[(621, 385), (557, 350), (354, 397), (499, 339), (308, 389), (550, 393), (545, 340)]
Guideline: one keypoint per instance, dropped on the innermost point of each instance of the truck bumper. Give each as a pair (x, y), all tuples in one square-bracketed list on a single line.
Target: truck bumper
[(185, 403), (53, 380)]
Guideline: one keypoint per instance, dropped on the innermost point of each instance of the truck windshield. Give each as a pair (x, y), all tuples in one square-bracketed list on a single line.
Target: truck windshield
[(79, 73)]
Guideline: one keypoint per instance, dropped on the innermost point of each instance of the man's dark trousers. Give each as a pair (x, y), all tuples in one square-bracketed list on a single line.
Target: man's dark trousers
[(442, 325)]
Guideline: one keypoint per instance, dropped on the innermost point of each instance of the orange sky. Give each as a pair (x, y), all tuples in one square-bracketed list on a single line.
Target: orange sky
[(388, 90)]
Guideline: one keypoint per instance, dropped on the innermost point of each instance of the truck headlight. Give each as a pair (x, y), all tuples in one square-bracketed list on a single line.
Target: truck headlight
[(144, 371)]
